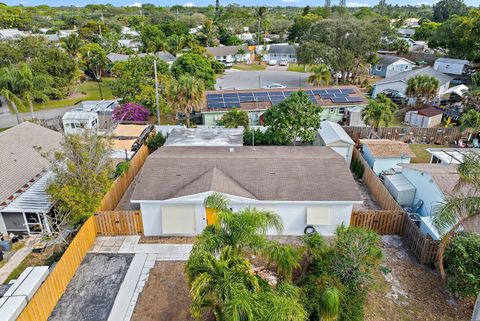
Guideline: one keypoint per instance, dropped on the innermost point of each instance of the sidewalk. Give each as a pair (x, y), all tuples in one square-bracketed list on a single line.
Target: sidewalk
[(16, 259)]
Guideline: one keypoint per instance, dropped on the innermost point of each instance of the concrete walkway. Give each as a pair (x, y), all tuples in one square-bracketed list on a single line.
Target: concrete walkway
[(17, 258), (137, 275)]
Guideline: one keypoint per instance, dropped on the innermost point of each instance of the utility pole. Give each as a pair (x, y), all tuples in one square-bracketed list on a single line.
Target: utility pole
[(156, 89)]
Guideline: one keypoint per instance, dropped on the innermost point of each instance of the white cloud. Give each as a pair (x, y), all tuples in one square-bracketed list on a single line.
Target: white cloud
[(135, 4), (419, 4), (290, 1), (189, 4), (357, 4)]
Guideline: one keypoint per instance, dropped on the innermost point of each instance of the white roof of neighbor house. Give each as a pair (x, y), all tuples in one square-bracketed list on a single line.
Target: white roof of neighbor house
[(96, 105), (427, 71), (78, 115), (331, 132), (451, 155), (206, 136), (459, 90), (10, 33), (35, 199), (452, 61)]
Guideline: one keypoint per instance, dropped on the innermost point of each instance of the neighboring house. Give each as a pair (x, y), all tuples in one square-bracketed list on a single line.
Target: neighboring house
[(230, 53), (281, 51), (451, 66), (424, 118), (385, 155), (10, 34), (416, 45), (23, 177), (129, 32), (405, 33), (334, 101), (163, 55), (305, 186), (205, 136), (450, 155), (246, 36), (66, 33), (399, 81), (391, 65), (130, 44), (91, 114), (332, 135), (127, 139)]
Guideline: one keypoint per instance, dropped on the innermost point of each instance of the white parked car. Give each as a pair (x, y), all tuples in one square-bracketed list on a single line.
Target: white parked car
[(283, 62), (272, 62), (275, 86)]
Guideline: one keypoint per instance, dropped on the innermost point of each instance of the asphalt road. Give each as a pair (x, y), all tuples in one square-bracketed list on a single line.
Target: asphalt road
[(240, 79), (8, 120)]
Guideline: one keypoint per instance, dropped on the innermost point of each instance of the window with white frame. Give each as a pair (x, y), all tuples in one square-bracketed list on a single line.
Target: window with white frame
[(341, 111)]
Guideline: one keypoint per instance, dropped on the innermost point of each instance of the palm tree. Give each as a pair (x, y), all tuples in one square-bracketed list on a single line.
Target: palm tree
[(186, 95), (321, 74), (378, 111), (470, 120), (422, 87), (72, 44), (260, 14), (209, 32), (12, 89), (235, 118), (460, 207), (34, 87)]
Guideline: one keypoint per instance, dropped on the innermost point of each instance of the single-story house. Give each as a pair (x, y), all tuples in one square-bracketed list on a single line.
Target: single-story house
[(399, 81), (205, 136), (230, 53), (89, 114), (334, 101), (163, 55), (332, 135), (391, 65), (23, 177), (9, 34), (281, 51), (305, 186), (130, 44), (416, 45), (450, 155), (127, 139), (424, 118), (450, 65), (384, 154), (453, 94), (405, 33)]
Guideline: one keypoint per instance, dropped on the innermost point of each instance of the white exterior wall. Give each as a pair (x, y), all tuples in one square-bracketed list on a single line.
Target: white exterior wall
[(294, 215), (345, 151), (379, 164), (449, 68), (3, 228), (397, 85), (426, 190), (416, 120)]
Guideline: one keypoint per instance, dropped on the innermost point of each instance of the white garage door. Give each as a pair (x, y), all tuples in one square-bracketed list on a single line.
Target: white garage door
[(178, 220), (342, 150)]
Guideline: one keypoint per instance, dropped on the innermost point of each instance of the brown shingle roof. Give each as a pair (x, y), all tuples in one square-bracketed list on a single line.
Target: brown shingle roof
[(387, 148), (19, 160), (276, 173), (430, 111)]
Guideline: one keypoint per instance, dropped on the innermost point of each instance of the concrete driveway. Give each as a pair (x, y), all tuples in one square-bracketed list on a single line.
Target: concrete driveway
[(240, 79), (9, 120)]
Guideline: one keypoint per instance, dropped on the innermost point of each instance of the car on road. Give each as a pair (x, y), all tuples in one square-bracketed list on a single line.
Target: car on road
[(272, 62), (227, 65), (275, 86), (283, 62)]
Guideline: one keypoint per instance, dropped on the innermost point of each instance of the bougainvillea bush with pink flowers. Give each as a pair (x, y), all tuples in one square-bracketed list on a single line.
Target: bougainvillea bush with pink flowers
[(132, 112)]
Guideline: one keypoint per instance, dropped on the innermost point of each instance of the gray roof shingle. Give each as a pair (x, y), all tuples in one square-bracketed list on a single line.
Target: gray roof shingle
[(269, 173), (226, 50), (427, 71), (283, 49)]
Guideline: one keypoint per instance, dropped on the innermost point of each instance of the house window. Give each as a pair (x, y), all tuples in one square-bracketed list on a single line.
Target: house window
[(331, 111), (447, 66), (436, 160), (406, 67), (341, 111), (378, 68)]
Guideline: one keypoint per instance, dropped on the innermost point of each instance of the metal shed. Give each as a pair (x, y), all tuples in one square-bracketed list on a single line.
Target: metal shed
[(400, 188)]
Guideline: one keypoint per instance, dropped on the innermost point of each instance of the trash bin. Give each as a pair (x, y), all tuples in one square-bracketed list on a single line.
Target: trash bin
[(6, 245), (415, 218)]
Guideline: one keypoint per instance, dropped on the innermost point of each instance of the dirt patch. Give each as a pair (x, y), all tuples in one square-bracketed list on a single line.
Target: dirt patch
[(369, 202), (167, 240), (407, 290), (165, 295)]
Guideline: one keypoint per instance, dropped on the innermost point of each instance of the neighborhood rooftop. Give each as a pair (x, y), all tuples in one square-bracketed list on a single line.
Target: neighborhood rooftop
[(332, 132), (265, 173), (226, 50), (389, 59), (427, 71), (205, 137), (387, 148), (282, 49)]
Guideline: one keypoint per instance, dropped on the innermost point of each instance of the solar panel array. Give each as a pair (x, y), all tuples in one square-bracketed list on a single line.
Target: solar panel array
[(230, 100)]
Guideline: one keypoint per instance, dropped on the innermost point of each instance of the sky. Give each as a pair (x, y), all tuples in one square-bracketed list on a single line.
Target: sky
[(300, 3)]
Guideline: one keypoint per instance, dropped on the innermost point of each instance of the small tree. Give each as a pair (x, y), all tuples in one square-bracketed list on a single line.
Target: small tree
[(186, 94), (235, 118), (131, 112), (321, 75), (470, 120), (83, 174), (379, 111), (295, 117)]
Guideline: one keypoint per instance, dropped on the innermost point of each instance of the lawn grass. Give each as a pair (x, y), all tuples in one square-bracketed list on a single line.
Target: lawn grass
[(421, 151), (3, 129), (296, 67), (87, 90), (249, 67)]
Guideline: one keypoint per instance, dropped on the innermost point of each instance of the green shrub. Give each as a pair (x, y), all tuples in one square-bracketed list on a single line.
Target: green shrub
[(156, 141), (462, 257), (357, 168), (122, 168)]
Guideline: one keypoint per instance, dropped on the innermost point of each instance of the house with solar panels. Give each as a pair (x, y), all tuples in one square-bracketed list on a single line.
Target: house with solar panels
[(335, 102)]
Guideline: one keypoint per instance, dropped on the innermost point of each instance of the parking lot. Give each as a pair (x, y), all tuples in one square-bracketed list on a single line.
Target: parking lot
[(240, 79)]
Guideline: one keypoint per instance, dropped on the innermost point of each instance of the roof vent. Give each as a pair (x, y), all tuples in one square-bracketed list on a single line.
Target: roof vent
[(232, 149)]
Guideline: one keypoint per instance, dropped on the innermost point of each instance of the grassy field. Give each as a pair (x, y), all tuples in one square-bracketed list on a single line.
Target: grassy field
[(296, 67), (421, 151), (85, 91), (249, 67)]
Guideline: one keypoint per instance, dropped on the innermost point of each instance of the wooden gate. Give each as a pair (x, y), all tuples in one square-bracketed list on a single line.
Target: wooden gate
[(382, 222), (112, 223)]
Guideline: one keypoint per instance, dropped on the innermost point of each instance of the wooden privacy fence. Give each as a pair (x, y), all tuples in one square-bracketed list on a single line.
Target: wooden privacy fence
[(376, 187), (443, 136), (110, 223), (121, 184), (48, 295), (382, 222), (423, 246)]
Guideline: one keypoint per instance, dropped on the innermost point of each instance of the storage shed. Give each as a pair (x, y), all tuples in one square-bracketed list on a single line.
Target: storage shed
[(332, 135), (400, 188), (424, 118)]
